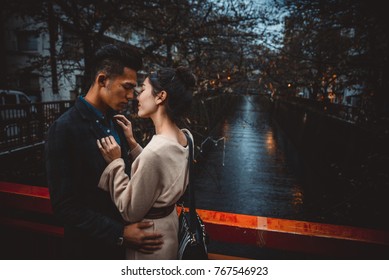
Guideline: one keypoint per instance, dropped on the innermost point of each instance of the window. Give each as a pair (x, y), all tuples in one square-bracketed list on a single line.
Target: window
[(79, 81), (23, 100), (71, 45), (30, 84), (9, 99), (27, 41)]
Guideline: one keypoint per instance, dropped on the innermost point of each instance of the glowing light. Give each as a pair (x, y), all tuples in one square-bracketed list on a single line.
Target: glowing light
[(270, 144)]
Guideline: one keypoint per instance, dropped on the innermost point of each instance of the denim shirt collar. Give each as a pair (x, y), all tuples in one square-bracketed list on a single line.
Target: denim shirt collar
[(97, 112)]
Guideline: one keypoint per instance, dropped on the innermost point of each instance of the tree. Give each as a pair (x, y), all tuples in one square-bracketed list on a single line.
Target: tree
[(335, 45), (200, 33)]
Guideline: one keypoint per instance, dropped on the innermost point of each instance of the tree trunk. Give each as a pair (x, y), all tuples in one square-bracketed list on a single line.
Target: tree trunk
[(89, 51), (169, 59), (3, 61), (52, 25)]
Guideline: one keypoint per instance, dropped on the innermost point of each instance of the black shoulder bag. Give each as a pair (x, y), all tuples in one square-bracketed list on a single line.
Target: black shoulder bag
[(192, 236)]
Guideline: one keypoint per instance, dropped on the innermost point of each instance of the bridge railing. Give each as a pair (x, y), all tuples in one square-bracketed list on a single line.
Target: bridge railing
[(23, 125), (356, 115), (26, 221)]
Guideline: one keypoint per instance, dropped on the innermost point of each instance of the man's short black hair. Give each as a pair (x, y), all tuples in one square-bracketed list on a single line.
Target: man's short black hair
[(112, 59)]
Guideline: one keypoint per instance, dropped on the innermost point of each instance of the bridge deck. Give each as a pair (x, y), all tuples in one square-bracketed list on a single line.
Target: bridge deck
[(314, 239)]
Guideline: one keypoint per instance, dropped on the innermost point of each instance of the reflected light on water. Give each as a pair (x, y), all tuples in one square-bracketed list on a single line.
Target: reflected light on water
[(298, 196), (270, 143), (225, 128)]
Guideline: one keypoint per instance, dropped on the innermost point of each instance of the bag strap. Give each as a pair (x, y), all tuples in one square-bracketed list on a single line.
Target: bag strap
[(192, 202)]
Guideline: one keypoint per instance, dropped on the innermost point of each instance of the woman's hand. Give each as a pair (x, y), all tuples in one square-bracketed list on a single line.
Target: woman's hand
[(109, 148), (126, 125)]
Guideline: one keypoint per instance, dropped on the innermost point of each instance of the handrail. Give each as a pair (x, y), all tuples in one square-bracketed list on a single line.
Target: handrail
[(25, 125), (317, 239)]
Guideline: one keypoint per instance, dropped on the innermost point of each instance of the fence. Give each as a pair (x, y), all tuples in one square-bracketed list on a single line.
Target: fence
[(355, 115), (25, 125)]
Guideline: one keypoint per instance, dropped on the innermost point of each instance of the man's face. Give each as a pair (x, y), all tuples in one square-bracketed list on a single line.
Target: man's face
[(120, 89)]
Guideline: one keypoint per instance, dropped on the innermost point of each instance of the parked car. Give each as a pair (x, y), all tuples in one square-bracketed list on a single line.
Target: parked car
[(16, 113), (14, 97)]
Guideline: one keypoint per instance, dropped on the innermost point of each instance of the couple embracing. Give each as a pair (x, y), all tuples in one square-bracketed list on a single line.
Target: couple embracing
[(116, 199)]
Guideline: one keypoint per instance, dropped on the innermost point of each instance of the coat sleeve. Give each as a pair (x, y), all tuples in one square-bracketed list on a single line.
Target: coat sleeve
[(66, 202), (134, 153), (134, 197)]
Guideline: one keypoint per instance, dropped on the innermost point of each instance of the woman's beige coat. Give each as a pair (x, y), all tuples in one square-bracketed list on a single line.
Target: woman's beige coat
[(159, 176)]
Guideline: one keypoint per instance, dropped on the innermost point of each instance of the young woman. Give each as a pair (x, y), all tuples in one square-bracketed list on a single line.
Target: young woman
[(159, 172)]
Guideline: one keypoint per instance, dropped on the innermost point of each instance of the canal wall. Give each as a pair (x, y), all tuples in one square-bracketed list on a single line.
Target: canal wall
[(332, 140), (345, 164), (357, 155)]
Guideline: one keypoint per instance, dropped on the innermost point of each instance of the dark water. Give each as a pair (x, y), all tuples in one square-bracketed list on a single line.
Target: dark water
[(265, 175), (255, 178)]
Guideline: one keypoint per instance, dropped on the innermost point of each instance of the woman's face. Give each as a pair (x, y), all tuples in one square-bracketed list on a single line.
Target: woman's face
[(147, 104)]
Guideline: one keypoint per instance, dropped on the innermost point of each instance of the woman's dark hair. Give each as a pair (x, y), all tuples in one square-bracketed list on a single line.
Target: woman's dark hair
[(179, 84), (113, 58)]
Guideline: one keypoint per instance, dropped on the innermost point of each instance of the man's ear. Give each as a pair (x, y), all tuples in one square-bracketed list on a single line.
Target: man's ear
[(100, 79), (161, 97)]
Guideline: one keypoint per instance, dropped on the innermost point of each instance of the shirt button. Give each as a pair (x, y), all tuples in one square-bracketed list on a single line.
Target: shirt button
[(97, 121), (108, 131)]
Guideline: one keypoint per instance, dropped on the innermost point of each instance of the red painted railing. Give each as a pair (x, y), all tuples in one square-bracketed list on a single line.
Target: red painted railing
[(314, 239)]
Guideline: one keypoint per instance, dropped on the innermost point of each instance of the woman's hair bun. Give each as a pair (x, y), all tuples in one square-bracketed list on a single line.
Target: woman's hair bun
[(186, 76)]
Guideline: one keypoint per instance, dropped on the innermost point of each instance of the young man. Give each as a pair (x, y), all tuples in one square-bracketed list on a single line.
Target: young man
[(93, 226)]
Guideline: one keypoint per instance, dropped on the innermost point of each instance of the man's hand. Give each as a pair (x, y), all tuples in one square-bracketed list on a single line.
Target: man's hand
[(145, 242)]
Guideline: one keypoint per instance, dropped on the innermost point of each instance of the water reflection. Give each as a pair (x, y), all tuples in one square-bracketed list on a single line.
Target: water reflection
[(298, 197), (265, 175), (255, 179), (270, 144)]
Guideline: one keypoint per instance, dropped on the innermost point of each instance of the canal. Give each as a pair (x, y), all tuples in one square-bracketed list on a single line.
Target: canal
[(252, 168), (245, 170)]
